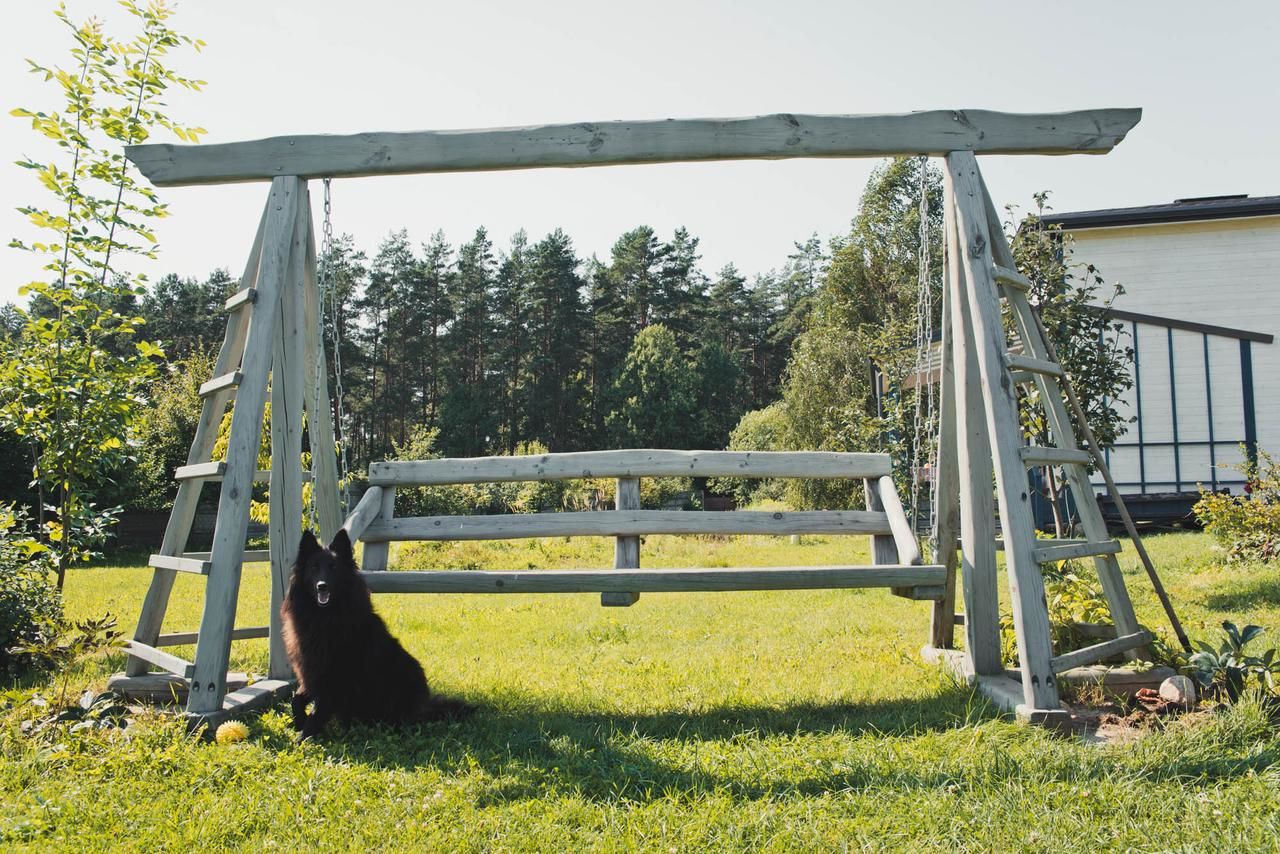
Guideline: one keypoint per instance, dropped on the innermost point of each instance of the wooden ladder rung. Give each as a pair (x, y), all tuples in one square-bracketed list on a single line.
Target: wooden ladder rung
[(200, 471), (217, 384), (1053, 554), (239, 299), (921, 592), (1018, 362), (250, 555), (184, 638), (1023, 377), (160, 658), (1099, 651), (1035, 455), (195, 566), (1044, 543), (1011, 278)]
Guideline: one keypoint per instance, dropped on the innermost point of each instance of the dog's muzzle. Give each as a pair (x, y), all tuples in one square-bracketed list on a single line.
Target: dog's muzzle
[(322, 593)]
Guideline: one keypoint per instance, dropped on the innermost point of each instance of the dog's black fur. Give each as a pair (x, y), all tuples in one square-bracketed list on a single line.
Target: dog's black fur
[(346, 661)]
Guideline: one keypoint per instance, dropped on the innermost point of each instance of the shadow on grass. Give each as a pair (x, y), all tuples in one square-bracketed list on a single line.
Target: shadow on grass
[(1258, 592), (524, 751)]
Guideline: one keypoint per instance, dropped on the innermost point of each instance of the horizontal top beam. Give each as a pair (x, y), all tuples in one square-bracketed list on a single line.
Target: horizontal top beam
[(630, 463), (772, 137)]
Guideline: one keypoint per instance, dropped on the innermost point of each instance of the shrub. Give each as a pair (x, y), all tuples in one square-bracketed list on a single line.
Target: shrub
[(30, 607), (1072, 600), (1247, 526), (758, 430), (1229, 667)]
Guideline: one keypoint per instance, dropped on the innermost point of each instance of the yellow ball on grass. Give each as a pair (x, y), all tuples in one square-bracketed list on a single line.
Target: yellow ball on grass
[(231, 732)]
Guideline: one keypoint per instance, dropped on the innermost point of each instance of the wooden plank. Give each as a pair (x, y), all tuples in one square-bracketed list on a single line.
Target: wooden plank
[(904, 537), (376, 554), (367, 510), (627, 523), (160, 658), (946, 533), (288, 370), (1099, 651), (631, 463), (1010, 278), (978, 575), (1026, 584), (884, 551), (653, 580), (214, 647), (783, 135), (324, 454), (921, 593), (254, 556), (1033, 455), (1053, 554), (1045, 542), (179, 564), (226, 381), (1032, 366), (200, 471), (626, 550), (184, 638), (241, 298), (178, 529)]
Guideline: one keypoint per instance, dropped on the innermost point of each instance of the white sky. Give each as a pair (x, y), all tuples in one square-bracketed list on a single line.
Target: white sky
[(1205, 74)]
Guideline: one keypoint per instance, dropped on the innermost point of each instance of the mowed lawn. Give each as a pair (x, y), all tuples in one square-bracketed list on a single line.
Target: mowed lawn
[(759, 721)]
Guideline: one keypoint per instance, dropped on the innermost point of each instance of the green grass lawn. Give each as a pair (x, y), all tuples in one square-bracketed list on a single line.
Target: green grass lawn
[(763, 721)]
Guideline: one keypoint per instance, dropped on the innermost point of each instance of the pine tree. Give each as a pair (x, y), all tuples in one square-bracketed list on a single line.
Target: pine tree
[(558, 335), (468, 418)]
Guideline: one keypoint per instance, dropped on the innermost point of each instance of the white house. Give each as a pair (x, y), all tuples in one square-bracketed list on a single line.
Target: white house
[(1202, 306)]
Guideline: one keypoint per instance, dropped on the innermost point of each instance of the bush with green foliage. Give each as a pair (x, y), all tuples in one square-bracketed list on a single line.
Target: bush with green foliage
[(1228, 668), (1248, 525), (758, 430), (30, 606), (1072, 600)]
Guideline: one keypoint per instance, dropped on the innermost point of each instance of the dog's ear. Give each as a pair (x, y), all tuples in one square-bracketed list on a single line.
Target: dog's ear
[(308, 546), (341, 546)]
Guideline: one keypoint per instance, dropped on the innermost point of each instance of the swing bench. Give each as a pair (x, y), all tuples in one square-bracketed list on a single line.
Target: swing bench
[(896, 562)]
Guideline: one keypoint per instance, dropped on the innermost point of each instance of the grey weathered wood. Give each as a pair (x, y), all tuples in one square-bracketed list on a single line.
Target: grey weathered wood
[(1060, 424), (179, 564), (884, 550), (239, 703), (376, 554), (1002, 689), (1099, 651), (250, 556), (783, 135), (946, 534), (1053, 554), (219, 383), (1033, 455), (921, 593), (626, 550), (1026, 585), (184, 638), (324, 454), (240, 299), (288, 370), (629, 523), (214, 647), (631, 463), (904, 537), (366, 510), (160, 658), (178, 529), (1011, 278), (200, 471), (1032, 366), (1045, 542), (973, 463), (653, 580)]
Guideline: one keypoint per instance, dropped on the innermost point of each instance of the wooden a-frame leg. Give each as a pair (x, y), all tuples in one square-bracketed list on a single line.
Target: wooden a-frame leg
[(288, 371), (973, 467), (178, 530), (1030, 610), (213, 649), (947, 487)]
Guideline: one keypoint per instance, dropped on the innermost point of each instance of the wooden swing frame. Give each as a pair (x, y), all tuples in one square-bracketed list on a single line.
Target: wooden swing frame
[(274, 330)]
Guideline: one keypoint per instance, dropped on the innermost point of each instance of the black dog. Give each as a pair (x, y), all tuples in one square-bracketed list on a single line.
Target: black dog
[(346, 661)]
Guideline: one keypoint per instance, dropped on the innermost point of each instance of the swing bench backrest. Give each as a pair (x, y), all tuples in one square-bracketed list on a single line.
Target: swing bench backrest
[(896, 557)]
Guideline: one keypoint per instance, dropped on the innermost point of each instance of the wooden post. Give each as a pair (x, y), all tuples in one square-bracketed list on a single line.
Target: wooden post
[(1026, 584), (324, 456), (626, 550), (178, 529), (942, 629), (884, 550), (287, 373), (213, 649), (973, 467), (376, 554)]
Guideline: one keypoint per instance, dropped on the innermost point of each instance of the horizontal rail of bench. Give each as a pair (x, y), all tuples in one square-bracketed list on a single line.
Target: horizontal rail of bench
[(653, 580), (625, 523), (630, 463), (782, 135)]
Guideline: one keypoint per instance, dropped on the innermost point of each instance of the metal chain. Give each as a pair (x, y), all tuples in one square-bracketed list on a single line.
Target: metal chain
[(329, 292), (924, 427)]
